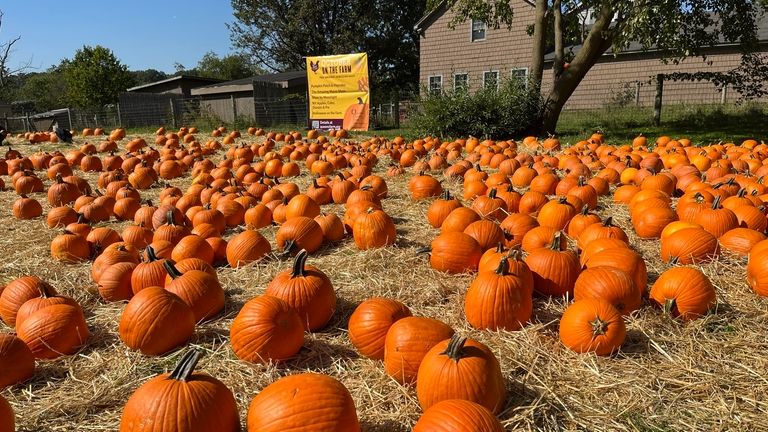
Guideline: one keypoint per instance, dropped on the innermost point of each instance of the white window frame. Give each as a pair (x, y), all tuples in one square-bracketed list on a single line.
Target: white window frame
[(429, 83), (525, 77), (497, 77), (466, 76), (472, 30)]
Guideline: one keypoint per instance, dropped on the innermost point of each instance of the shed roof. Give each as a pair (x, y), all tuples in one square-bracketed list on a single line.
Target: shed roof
[(176, 78)]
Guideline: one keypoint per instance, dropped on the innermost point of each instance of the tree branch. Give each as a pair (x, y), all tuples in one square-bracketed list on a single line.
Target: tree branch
[(557, 67), (539, 43)]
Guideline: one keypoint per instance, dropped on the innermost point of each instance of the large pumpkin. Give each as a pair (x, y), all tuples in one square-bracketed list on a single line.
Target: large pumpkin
[(146, 320), (308, 401), (181, 401), (408, 341), (370, 322), (7, 420), (266, 329), (458, 415), (53, 331), (683, 292), (499, 299), (459, 368)]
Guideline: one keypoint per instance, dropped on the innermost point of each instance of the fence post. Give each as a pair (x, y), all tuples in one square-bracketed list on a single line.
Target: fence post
[(637, 93), (234, 112), (173, 114), (119, 116), (659, 98), (69, 118), (724, 94), (396, 111), (29, 124)]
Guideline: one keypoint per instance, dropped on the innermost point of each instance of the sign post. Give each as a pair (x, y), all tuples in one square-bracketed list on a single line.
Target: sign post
[(339, 93)]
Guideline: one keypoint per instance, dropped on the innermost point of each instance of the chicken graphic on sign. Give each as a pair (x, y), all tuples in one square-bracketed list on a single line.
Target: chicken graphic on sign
[(314, 66)]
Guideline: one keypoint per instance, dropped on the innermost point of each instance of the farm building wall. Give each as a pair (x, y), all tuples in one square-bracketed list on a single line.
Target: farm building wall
[(626, 80), (220, 106), (445, 52)]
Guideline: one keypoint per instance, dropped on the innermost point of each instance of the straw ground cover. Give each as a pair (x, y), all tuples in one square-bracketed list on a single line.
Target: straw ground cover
[(705, 375)]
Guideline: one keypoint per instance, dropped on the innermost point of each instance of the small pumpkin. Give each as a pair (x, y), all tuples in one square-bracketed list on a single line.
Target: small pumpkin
[(201, 291), (683, 292), (374, 229), (554, 270), (16, 361), (408, 341), (592, 325), (458, 415), (247, 247), (499, 299)]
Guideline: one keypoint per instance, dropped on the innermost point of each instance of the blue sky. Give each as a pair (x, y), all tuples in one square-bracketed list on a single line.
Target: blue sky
[(143, 34)]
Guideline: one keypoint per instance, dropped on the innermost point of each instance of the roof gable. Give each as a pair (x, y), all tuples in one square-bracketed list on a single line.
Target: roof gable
[(432, 16)]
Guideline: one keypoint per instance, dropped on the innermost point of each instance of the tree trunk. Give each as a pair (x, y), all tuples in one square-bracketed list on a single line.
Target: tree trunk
[(539, 44), (597, 42)]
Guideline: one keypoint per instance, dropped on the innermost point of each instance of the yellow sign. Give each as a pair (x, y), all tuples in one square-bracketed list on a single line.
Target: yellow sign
[(339, 95)]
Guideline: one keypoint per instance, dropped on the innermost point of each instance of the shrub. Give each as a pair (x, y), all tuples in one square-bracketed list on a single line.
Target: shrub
[(512, 110)]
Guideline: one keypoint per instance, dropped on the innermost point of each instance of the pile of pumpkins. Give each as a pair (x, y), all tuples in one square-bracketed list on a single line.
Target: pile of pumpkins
[(523, 208)]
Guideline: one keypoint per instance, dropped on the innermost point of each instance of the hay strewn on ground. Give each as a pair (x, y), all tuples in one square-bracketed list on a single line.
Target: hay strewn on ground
[(705, 375)]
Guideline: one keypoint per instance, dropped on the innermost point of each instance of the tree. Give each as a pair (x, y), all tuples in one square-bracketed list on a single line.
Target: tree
[(382, 28), (95, 77), (6, 72), (677, 28), (47, 90), (147, 76), (229, 67)]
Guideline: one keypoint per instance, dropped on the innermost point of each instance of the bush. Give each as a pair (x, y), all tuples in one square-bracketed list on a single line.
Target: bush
[(512, 110)]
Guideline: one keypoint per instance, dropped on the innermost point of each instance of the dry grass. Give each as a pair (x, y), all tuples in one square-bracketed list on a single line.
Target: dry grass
[(705, 375)]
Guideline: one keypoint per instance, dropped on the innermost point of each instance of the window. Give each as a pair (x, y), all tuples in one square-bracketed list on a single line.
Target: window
[(460, 82), (478, 30), (435, 84), (491, 79), (520, 74)]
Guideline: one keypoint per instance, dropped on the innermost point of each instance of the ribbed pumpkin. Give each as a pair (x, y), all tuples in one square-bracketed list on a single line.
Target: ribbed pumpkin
[(683, 292), (146, 320), (490, 207), (408, 341), (374, 229), (554, 270), (424, 186), (757, 271), (651, 222), (70, 248), (53, 331), (515, 226), (740, 240), (541, 236), (609, 284), (307, 290), (114, 283), (16, 361), (181, 401), (592, 325), (247, 247), (606, 229), (459, 219), (689, 245), (18, 292), (625, 259), (192, 246), (499, 300), (716, 220), (332, 226), (556, 214), (461, 368), (265, 330), (581, 221), (441, 208), (308, 401), (370, 322), (7, 417), (148, 273), (299, 233), (455, 252), (201, 291), (457, 415)]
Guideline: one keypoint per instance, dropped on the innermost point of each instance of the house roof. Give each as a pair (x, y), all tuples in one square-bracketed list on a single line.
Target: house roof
[(430, 17), (246, 84), (176, 78), (636, 47), (274, 78)]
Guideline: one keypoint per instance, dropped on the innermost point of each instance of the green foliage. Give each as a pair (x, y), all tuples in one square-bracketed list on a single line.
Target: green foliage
[(382, 28), (95, 77), (47, 90), (141, 77), (512, 110), (229, 67)]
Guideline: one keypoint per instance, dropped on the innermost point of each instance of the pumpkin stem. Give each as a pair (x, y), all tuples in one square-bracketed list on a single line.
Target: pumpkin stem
[(171, 269), (608, 221), (562, 199), (424, 250), (455, 348), (151, 254), (45, 290), (716, 202), (500, 247), (556, 241), (585, 210), (299, 264), (186, 366), (503, 268), (582, 181), (446, 195), (492, 193), (288, 247), (599, 327), (670, 307), (169, 218), (741, 193)]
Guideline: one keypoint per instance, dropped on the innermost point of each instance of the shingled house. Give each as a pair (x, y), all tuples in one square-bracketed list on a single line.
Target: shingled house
[(474, 55)]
